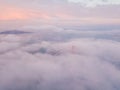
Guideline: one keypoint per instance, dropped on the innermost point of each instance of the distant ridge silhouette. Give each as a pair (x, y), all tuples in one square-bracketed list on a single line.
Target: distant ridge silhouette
[(14, 32)]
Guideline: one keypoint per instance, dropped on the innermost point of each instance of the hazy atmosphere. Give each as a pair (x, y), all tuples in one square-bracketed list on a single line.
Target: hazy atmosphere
[(60, 45)]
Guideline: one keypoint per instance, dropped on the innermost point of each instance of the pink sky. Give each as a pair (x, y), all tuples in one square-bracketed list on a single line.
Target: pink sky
[(57, 11)]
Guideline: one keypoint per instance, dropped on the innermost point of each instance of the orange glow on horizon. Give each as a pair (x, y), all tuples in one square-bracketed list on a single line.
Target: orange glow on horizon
[(14, 13), (9, 13)]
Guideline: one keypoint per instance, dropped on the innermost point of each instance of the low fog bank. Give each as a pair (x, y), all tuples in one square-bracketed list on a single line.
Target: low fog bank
[(53, 60)]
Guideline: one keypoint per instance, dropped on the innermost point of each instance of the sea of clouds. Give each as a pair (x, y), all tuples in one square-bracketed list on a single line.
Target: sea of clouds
[(51, 58)]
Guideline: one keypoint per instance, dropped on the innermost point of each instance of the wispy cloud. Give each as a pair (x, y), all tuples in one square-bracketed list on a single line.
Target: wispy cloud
[(94, 3)]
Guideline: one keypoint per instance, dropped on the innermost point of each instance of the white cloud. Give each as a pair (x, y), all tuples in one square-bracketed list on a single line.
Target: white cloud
[(92, 3)]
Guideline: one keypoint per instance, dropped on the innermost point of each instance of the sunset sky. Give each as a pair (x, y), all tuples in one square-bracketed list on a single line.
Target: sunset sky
[(17, 13)]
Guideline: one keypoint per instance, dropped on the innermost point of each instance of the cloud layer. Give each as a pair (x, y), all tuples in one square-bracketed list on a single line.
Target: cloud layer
[(42, 60)]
